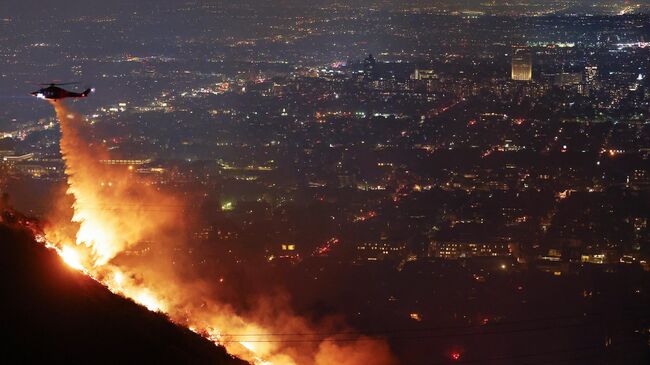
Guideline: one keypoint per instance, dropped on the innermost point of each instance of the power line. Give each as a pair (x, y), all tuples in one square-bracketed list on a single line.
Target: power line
[(418, 337), (427, 329)]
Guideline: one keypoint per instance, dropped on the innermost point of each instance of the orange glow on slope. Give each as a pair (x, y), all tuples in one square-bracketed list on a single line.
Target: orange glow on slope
[(112, 219), (118, 278), (148, 300), (71, 257)]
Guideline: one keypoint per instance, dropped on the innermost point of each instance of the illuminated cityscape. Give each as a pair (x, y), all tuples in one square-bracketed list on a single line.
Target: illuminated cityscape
[(426, 182)]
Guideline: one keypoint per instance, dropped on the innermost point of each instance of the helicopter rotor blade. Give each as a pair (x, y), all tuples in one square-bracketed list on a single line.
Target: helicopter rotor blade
[(60, 84)]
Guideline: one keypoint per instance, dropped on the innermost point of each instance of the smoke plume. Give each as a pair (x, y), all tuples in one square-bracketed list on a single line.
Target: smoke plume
[(122, 231)]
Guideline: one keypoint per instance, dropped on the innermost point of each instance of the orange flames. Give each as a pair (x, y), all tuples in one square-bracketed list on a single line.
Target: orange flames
[(112, 217)]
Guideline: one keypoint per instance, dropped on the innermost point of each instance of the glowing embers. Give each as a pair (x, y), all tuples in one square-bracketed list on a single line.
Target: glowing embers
[(149, 301), (71, 257), (118, 278), (248, 345), (96, 236)]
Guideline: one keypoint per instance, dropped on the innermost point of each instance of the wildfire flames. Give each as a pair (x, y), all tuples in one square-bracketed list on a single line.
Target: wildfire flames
[(111, 219)]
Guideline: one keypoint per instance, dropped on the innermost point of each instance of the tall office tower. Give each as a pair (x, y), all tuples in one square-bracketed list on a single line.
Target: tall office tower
[(591, 73), (423, 74), (369, 67), (522, 65)]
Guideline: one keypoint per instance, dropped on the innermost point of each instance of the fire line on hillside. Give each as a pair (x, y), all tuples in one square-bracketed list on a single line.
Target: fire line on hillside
[(110, 217)]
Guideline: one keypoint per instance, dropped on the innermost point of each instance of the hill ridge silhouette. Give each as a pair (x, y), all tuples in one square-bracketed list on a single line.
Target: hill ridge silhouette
[(50, 312)]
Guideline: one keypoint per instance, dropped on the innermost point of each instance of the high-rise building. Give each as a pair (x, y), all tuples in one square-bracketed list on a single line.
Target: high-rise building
[(567, 79), (423, 74), (522, 65), (591, 72), (369, 65)]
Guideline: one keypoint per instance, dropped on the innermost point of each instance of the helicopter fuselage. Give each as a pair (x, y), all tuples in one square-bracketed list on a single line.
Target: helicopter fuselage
[(53, 92)]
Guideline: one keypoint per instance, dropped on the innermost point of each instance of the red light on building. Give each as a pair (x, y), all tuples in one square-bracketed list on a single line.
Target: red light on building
[(455, 355)]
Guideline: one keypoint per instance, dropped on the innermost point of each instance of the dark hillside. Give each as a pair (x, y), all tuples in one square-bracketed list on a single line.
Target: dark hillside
[(51, 313)]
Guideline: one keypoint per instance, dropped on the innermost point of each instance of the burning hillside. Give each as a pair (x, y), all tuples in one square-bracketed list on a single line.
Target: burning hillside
[(52, 313), (114, 236)]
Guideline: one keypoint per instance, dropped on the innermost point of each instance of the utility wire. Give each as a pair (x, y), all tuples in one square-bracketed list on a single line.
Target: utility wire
[(416, 337), (427, 329)]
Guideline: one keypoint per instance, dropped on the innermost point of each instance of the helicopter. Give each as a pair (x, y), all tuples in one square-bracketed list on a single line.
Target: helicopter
[(54, 92)]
